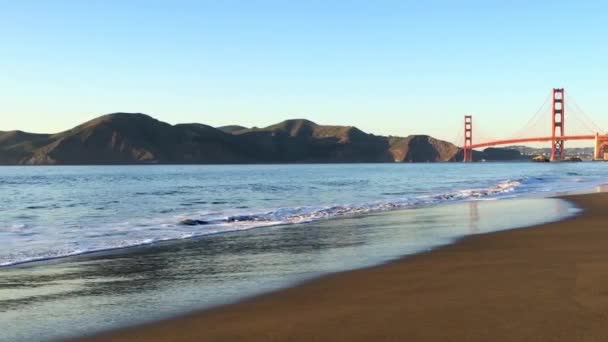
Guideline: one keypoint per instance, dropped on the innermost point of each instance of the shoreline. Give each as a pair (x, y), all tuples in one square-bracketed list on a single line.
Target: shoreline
[(407, 297), (126, 249)]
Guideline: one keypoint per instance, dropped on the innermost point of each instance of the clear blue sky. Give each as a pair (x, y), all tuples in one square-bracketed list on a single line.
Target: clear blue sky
[(388, 67)]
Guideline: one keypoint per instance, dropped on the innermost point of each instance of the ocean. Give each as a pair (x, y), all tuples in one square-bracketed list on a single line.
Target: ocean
[(88, 248)]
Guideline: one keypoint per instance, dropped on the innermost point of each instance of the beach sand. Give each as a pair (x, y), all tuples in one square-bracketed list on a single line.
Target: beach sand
[(546, 283)]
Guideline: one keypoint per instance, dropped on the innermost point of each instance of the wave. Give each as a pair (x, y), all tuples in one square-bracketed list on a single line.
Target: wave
[(309, 214), (192, 227)]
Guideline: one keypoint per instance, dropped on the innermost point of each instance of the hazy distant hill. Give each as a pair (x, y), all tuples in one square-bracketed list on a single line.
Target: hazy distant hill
[(231, 128), (582, 152), (124, 138), (500, 154)]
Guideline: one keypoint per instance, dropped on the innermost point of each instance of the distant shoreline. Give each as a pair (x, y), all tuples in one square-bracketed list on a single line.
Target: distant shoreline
[(292, 163), (271, 163)]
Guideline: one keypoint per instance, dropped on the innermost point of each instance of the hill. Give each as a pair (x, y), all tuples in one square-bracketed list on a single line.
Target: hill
[(135, 138)]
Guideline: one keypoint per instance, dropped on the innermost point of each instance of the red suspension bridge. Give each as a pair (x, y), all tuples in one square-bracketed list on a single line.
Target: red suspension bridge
[(557, 136)]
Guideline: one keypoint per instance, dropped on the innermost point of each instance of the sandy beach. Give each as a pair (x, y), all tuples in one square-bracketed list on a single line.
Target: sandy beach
[(544, 283)]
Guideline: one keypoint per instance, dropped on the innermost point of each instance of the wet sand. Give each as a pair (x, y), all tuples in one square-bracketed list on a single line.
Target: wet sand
[(546, 283)]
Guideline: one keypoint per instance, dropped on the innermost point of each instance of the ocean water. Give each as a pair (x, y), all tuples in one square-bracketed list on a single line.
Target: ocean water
[(91, 248), (52, 212)]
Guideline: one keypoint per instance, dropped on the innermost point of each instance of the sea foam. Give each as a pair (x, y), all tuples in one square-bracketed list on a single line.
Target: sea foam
[(244, 221)]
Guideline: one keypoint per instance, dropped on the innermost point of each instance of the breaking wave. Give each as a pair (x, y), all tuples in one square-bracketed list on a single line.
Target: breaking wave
[(178, 228)]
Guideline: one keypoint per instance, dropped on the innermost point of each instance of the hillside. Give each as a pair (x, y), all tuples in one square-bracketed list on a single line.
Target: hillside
[(126, 138), (422, 148)]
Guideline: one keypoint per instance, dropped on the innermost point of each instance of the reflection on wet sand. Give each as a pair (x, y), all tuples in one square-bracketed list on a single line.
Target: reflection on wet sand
[(473, 217)]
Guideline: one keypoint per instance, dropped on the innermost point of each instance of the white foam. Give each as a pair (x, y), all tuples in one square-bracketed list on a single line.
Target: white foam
[(158, 229)]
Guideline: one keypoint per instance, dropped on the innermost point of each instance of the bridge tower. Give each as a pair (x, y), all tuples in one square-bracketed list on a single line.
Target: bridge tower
[(600, 152), (467, 150), (557, 125)]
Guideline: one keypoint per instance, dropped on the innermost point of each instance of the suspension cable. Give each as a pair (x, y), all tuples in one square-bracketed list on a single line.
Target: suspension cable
[(534, 119)]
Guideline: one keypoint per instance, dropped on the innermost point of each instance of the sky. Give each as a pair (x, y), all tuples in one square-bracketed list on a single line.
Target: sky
[(387, 67)]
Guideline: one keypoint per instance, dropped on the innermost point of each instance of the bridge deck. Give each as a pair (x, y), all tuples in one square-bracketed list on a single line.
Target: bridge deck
[(537, 139)]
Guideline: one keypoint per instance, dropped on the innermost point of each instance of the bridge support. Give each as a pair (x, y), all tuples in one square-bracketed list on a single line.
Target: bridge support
[(600, 152), (596, 147), (467, 150), (557, 125)]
